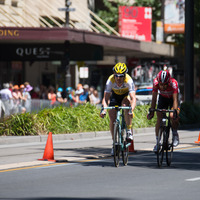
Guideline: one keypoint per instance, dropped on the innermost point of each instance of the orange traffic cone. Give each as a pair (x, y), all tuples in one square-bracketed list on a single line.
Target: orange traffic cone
[(131, 147), (48, 152), (198, 139)]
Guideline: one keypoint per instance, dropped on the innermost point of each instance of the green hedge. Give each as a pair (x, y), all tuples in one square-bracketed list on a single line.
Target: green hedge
[(83, 118)]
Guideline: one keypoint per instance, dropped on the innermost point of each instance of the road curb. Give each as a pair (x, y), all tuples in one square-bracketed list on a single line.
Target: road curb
[(71, 136), (4, 140), (43, 138)]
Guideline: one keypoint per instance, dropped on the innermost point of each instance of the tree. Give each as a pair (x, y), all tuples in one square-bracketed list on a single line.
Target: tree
[(110, 12)]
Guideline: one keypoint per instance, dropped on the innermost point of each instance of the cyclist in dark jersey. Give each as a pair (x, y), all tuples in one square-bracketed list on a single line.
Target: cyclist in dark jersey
[(120, 90), (167, 88)]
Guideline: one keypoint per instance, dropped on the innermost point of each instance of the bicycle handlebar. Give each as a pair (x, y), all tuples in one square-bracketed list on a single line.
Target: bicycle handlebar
[(160, 110), (164, 111), (118, 108)]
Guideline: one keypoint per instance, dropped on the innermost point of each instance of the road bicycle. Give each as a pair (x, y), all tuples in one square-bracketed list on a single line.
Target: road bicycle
[(120, 143), (165, 137)]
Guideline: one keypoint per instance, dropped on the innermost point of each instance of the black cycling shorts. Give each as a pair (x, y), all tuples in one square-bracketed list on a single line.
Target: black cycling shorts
[(117, 99), (164, 103)]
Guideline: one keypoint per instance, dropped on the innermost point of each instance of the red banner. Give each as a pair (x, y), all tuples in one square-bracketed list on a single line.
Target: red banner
[(135, 22)]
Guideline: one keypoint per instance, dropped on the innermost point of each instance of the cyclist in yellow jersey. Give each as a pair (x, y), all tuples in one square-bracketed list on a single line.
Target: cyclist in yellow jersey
[(120, 90)]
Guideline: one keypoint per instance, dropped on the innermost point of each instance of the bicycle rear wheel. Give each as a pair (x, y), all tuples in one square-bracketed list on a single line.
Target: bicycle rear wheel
[(170, 148), (160, 147), (125, 150), (116, 145)]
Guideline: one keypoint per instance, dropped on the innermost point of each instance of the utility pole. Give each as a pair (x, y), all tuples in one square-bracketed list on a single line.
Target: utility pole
[(67, 4), (66, 64), (189, 51)]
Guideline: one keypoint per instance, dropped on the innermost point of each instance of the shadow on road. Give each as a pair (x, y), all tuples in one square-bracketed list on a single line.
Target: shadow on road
[(187, 159)]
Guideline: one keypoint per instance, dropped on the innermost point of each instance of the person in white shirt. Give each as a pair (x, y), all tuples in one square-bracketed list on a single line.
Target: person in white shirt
[(6, 98)]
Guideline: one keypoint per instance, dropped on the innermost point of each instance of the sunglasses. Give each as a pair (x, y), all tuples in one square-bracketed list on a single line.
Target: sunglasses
[(119, 75)]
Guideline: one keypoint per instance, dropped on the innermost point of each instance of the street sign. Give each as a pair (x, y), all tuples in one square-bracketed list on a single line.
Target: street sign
[(66, 9)]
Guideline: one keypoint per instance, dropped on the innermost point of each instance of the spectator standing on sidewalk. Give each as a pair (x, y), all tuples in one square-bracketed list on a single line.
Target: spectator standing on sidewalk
[(27, 104), (79, 92), (16, 99), (71, 99), (36, 93), (11, 87), (52, 95), (91, 90), (59, 97), (43, 92), (6, 97), (23, 97), (84, 95), (94, 98)]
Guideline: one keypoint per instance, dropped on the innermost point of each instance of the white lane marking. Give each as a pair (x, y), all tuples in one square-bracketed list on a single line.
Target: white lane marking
[(193, 179)]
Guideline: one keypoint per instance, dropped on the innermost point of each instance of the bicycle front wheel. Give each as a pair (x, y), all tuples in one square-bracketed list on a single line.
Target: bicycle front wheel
[(170, 148), (116, 145), (160, 147), (125, 150)]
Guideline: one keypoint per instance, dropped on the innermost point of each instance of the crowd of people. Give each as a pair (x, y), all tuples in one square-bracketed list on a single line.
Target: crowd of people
[(81, 95), (17, 98)]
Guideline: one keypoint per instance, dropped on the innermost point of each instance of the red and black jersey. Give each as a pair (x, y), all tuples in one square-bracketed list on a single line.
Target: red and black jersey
[(171, 88)]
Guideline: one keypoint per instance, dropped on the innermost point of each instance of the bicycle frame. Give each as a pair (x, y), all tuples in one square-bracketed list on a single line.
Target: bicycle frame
[(164, 131), (120, 120), (120, 125)]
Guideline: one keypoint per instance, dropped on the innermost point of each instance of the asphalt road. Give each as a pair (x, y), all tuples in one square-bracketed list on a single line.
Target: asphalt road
[(85, 170)]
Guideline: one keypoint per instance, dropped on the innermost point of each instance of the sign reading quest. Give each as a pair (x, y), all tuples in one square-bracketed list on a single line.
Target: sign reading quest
[(50, 52), (34, 52)]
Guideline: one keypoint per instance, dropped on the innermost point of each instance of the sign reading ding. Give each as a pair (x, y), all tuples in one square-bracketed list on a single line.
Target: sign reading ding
[(135, 22)]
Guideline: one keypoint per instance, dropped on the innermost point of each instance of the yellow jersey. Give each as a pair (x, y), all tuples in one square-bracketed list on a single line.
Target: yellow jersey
[(127, 87)]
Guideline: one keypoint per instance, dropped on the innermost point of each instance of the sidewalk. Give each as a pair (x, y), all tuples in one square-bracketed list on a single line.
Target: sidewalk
[(25, 151)]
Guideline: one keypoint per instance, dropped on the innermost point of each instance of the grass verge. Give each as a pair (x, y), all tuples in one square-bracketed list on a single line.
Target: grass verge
[(83, 118)]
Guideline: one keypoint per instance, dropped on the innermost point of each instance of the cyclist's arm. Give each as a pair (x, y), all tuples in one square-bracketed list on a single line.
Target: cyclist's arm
[(175, 101), (175, 107), (154, 99), (106, 99), (105, 102), (132, 100), (153, 105)]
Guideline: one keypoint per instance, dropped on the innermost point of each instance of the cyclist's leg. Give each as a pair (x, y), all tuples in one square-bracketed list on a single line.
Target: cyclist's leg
[(112, 116), (157, 128), (112, 113), (161, 105), (159, 118), (128, 118), (175, 123)]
